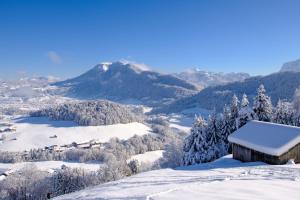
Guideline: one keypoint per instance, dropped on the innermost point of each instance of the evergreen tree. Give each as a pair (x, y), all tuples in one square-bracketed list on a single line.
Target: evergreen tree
[(245, 113), (195, 145), (217, 146), (234, 109), (226, 128), (284, 113), (213, 130), (206, 142), (263, 105)]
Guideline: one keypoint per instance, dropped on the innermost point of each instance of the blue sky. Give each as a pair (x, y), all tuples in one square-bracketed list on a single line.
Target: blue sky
[(65, 38)]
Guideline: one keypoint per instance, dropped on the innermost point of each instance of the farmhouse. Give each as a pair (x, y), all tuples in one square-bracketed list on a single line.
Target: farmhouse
[(267, 142)]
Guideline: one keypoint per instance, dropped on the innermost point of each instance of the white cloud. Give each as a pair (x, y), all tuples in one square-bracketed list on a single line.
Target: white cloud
[(140, 66), (54, 57)]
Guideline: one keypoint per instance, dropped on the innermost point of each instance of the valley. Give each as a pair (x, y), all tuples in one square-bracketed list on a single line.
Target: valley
[(111, 133)]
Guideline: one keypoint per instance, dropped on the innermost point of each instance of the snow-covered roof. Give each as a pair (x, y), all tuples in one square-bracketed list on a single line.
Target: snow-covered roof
[(265, 137)]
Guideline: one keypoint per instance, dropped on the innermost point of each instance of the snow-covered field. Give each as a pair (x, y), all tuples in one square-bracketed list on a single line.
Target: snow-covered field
[(223, 179), (181, 122), (148, 157), (36, 132)]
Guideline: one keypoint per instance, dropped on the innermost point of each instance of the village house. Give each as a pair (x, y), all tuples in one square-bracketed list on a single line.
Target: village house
[(84, 145), (267, 142)]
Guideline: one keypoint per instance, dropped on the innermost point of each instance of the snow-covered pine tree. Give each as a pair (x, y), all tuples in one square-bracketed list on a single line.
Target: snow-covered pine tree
[(263, 105), (226, 128), (195, 145), (284, 113), (214, 139), (213, 135), (234, 109), (245, 113)]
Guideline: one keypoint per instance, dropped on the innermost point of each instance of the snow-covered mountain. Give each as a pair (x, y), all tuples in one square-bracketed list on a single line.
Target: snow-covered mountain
[(123, 80), (292, 66), (205, 78), (278, 85)]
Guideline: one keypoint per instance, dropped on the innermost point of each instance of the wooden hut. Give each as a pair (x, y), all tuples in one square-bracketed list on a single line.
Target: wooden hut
[(267, 142)]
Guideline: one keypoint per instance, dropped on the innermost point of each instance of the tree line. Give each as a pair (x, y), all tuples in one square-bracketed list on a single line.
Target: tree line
[(91, 113), (209, 137)]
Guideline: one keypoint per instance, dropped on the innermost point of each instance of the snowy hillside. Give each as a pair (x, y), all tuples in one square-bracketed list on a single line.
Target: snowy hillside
[(204, 79), (292, 66), (121, 81), (278, 86), (222, 179), (148, 157), (91, 113), (39, 132)]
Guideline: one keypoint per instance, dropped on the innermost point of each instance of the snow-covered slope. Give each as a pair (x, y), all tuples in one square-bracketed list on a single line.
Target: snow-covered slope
[(148, 157), (205, 78), (121, 81), (278, 86), (292, 66), (35, 132), (223, 179), (181, 122)]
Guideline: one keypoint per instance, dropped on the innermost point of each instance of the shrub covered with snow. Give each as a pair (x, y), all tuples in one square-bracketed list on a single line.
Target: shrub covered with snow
[(28, 183)]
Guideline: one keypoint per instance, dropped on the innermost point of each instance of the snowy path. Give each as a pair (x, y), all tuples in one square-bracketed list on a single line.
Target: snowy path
[(225, 179)]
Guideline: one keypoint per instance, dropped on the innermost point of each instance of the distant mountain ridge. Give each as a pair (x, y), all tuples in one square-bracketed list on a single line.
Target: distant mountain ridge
[(205, 79), (121, 81), (278, 85), (292, 66)]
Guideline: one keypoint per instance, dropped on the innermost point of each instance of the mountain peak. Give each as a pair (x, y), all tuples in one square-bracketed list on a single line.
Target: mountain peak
[(292, 66), (122, 64), (123, 80)]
